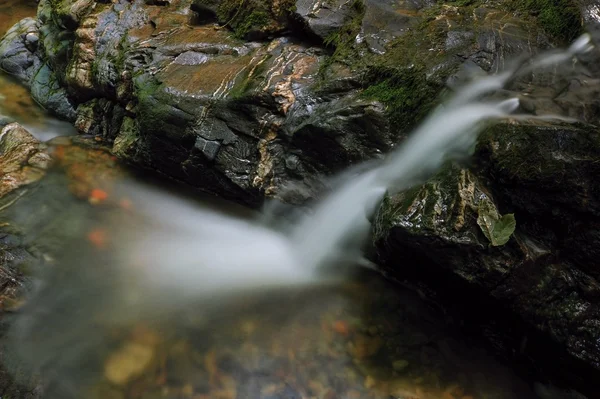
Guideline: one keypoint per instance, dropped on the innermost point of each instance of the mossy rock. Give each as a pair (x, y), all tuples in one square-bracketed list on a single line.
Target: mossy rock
[(447, 206), (249, 19), (68, 13), (438, 222), (406, 92), (560, 19), (537, 166), (332, 21)]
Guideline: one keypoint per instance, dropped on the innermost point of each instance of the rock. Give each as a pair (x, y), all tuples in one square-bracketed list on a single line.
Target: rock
[(437, 224), (20, 56), (442, 216), (325, 18), (384, 21), (400, 365), (128, 363), (563, 165), (17, 52), (23, 159), (252, 19), (551, 182), (249, 120), (46, 90)]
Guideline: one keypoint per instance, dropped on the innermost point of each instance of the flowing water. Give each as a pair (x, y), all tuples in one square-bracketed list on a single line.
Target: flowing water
[(150, 295)]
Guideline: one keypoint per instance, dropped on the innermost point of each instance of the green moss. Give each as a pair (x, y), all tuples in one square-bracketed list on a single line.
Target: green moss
[(464, 3), (120, 59), (560, 19), (249, 19), (406, 92), (61, 14), (343, 40), (256, 21), (248, 81), (149, 109)]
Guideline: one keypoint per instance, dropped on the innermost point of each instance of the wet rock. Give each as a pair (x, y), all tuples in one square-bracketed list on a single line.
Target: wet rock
[(17, 52), (560, 168), (551, 182), (246, 119), (443, 214), (21, 57), (23, 158), (437, 224), (384, 21), (324, 18), (128, 363), (252, 20), (47, 91)]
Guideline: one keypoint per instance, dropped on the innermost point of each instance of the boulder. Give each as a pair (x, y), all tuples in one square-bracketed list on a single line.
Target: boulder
[(23, 159), (519, 230)]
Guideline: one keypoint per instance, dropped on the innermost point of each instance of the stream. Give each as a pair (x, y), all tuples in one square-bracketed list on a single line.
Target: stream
[(363, 337)]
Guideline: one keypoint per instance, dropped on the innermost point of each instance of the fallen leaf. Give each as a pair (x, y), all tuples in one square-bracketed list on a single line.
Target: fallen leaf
[(496, 229), (97, 196)]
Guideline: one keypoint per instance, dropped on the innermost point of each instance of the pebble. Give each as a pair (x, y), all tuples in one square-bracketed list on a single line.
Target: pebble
[(128, 363), (400, 365)]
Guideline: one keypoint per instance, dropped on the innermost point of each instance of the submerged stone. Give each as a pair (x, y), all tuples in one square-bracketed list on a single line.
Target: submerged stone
[(23, 159)]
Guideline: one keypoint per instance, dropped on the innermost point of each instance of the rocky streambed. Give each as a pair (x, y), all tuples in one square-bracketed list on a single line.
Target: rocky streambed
[(363, 338), (253, 100)]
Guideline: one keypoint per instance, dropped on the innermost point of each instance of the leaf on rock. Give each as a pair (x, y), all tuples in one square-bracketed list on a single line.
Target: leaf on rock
[(496, 229), (503, 229)]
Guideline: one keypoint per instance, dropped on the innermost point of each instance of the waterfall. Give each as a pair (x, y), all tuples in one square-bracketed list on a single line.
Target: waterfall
[(448, 132), (176, 253)]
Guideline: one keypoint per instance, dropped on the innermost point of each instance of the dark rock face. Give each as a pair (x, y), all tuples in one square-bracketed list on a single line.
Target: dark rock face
[(325, 18), (546, 273)]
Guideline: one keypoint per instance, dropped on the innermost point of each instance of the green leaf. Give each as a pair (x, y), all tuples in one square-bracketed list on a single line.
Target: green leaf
[(503, 229), (496, 229)]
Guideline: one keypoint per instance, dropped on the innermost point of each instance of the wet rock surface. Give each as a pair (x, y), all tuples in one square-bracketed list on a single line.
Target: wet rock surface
[(546, 273), (175, 89)]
